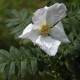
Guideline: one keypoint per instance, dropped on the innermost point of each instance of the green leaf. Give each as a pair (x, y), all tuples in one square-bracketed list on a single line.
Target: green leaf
[(27, 52), (6, 70), (24, 14), (16, 29), (23, 68), (23, 50), (17, 61), (32, 66), (18, 66), (12, 13), (14, 53), (11, 22), (18, 21), (4, 54), (18, 34), (11, 70), (2, 66)]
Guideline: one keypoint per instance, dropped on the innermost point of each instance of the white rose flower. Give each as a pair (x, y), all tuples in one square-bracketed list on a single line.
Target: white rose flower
[(42, 32)]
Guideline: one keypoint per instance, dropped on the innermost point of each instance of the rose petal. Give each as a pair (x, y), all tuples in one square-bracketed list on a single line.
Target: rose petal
[(30, 33), (55, 13), (26, 31), (39, 17), (57, 32), (48, 45), (34, 35)]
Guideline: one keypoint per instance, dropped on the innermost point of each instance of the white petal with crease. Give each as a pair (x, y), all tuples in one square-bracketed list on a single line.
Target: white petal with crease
[(26, 31), (34, 35), (30, 33), (55, 13), (39, 17), (48, 45), (57, 32)]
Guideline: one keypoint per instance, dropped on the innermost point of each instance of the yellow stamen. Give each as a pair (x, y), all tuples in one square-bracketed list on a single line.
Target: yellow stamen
[(44, 29)]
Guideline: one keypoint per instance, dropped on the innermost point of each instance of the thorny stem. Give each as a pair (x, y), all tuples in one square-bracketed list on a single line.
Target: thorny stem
[(49, 58), (54, 73)]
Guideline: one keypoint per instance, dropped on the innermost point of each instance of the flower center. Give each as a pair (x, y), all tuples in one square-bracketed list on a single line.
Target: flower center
[(44, 29)]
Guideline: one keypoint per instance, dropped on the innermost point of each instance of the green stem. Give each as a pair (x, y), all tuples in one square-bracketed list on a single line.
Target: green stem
[(51, 64)]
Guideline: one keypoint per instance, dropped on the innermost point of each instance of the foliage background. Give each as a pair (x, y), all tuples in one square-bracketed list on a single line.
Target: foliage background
[(66, 64)]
